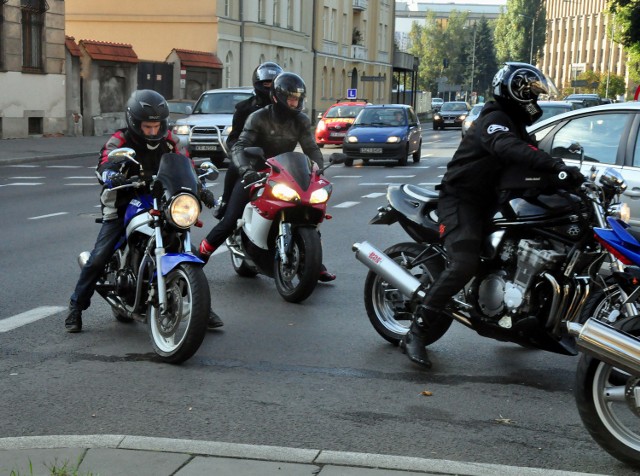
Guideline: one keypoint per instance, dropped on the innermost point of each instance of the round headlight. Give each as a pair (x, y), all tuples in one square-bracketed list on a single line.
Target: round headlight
[(183, 210)]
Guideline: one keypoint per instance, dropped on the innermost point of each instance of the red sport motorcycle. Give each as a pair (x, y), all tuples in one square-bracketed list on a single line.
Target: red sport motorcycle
[(277, 235)]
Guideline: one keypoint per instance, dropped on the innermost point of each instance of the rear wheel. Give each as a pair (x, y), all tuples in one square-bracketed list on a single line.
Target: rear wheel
[(177, 334), (388, 310), (296, 279)]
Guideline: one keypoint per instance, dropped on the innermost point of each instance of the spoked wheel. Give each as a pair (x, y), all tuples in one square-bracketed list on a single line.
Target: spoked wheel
[(296, 279), (177, 334), (608, 401), (388, 310)]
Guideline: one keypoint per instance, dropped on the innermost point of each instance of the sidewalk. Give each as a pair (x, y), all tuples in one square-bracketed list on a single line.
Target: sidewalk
[(110, 455), (38, 149)]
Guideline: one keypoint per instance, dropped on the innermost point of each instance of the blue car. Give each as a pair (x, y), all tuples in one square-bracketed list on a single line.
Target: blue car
[(390, 132)]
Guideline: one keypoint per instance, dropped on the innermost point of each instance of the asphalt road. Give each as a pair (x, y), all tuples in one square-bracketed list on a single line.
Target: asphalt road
[(309, 375)]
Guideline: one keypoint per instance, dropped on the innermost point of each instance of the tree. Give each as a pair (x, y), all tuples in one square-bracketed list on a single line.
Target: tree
[(513, 31), (597, 83), (485, 65), (627, 32)]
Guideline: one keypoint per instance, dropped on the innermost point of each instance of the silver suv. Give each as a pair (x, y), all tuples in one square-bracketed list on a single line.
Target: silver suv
[(214, 109)]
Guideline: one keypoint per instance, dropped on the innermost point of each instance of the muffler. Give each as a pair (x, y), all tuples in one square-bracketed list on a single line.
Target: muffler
[(608, 344), (83, 258), (389, 270)]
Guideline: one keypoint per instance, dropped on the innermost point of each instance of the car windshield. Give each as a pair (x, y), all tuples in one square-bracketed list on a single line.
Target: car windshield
[(381, 117), (220, 103), (454, 106), (475, 110), (343, 111), (179, 107)]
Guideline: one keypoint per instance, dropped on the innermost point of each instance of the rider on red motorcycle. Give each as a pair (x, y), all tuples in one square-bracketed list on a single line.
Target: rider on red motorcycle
[(469, 190), (277, 128)]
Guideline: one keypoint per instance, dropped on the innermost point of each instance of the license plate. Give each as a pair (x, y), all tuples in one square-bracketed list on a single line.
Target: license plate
[(449, 121), (206, 147), (338, 134), (371, 150)]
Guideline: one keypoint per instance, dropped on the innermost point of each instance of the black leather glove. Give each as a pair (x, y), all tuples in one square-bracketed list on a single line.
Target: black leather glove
[(570, 173), (207, 198), (113, 179), (250, 176)]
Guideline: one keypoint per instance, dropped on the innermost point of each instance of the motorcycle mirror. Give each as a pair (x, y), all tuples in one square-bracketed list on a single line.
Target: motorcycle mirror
[(211, 171), (123, 154), (337, 158)]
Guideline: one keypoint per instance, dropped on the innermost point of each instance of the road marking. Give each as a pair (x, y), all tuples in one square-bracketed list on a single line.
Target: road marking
[(48, 216), (20, 184), (64, 166), (375, 184), (27, 178), (81, 177), (24, 166), (346, 205), (346, 176), (83, 184), (19, 320), (400, 176), (374, 195)]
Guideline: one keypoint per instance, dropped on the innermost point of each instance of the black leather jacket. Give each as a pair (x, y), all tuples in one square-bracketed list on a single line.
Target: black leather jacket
[(494, 141), (276, 134)]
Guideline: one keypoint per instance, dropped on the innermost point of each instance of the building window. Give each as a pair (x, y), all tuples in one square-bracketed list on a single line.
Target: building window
[(276, 13), (261, 11), (35, 125), (290, 15), (32, 34), (227, 8)]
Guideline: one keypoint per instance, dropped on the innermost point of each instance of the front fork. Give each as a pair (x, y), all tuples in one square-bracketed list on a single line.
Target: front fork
[(283, 242), (159, 253)]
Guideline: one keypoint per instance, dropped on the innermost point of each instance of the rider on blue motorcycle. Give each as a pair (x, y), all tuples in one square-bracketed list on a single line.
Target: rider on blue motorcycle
[(147, 133), (469, 190)]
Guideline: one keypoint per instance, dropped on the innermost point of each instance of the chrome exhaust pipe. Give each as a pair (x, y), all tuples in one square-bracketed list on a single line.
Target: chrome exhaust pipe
[(608, 344), (83, 258), (389, 270)]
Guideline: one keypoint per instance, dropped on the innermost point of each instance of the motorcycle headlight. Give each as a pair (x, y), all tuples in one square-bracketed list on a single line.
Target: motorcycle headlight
[(321, 195), (182, 129), (621, 211), (183, 210), (284, 192)]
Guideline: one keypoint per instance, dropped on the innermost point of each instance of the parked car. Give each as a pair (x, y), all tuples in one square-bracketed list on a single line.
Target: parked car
[(610, 136), (436, 104), (179, 108), (451, 114), (384, 131), (552, 108), (473, 114), (587, 100), (333, 124), (214, 108)]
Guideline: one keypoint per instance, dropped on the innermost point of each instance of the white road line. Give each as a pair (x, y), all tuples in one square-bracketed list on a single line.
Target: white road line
[(84, 184), (48, 216), (346, 205), (80, 177), (400, 176), (27, 178), (23, 166), (64, 166), (374, 195), (374, 184), (347, 176), (19, 320), (20, 184)]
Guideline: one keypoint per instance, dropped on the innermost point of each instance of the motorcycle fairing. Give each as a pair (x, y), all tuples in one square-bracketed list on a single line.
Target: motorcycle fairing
[(620, 239), (296, 165), (176, 174), (171, 260)]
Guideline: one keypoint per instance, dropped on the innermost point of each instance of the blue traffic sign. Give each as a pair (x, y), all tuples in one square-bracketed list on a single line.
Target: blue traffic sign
[(352, 93)]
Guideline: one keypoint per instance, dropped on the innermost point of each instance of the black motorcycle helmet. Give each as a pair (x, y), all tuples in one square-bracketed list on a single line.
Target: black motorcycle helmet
[(263, 73), (288, 85), (147, 105), (517, 86)]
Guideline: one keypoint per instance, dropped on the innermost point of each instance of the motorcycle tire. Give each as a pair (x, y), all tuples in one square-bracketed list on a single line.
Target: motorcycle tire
[(296, 280), (608, 409), (241, 267), (388, 310), (177, 336)]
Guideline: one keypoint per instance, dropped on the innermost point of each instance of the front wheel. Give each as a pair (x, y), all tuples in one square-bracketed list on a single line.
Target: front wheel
[(417, 153), (388, 310), (296, 279), (608, 401), (177, 334)]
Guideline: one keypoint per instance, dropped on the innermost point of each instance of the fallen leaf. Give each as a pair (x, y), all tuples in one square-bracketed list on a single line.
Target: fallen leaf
[(426, 393)]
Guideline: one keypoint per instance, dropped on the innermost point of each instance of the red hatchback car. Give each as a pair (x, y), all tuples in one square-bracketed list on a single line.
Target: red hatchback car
[(333, 124)]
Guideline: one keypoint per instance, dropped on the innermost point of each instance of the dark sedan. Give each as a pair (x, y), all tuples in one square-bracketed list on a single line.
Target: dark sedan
[(451, 114)]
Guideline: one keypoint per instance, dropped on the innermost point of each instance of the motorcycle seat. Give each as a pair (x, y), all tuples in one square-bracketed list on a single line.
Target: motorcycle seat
[(420, 193)]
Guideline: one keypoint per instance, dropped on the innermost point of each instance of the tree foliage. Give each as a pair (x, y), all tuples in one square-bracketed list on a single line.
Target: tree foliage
[(627, 32), (513, 31), (485, 64), (597, 83)]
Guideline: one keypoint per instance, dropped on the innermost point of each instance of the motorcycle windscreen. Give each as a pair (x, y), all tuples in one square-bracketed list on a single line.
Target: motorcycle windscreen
[(298, 166), (176, 174)]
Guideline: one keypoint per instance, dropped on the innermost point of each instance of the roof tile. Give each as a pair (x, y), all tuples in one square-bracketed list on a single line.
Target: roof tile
[(200, 59), (72, 46), (104, 51)]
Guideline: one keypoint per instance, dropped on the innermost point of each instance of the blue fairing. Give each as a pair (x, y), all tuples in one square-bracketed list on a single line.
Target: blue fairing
[(136, 206), (620, 239), (171, 260)]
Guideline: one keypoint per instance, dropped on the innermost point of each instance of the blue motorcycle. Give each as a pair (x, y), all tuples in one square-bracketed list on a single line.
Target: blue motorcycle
[(153, 277)]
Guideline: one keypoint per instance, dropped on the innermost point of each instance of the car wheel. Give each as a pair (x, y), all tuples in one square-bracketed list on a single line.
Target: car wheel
[(417, 153), (348, 162), (435, 128), (402, 161)]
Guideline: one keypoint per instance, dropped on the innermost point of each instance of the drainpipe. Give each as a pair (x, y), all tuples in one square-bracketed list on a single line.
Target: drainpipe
[(241, 41), (313, 68)]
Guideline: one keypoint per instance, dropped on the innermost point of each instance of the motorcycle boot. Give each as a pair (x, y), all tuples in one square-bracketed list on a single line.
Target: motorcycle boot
[(205, 251), (325, 275), (73, 322), (214, 321), (414, 344)]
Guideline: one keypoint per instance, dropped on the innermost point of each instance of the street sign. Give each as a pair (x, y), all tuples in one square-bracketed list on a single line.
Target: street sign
[(352, 93)]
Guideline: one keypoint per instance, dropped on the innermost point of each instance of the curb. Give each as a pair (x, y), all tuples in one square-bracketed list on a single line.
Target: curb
[(44, 158), (274, 454)]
